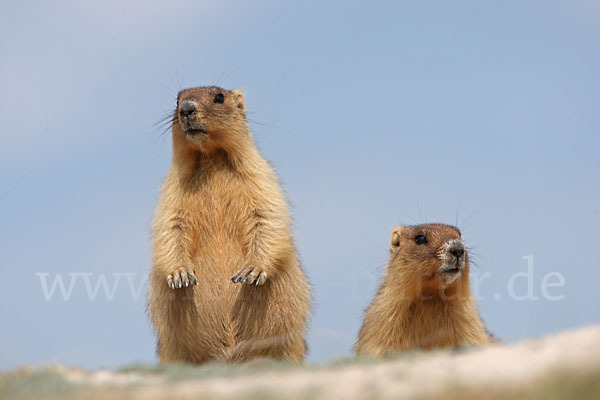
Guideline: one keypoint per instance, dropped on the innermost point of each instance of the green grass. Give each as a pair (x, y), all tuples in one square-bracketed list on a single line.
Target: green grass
[(177, 372), (33, 385)]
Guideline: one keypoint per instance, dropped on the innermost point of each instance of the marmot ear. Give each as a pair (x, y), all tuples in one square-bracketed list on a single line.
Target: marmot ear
[(239, 98), (395, 242)]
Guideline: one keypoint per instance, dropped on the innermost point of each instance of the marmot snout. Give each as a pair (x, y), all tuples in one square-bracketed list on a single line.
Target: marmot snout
[(453, 259)]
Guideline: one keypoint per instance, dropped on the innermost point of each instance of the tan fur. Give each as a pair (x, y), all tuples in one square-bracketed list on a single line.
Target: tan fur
[(417, 306), (222, 214)]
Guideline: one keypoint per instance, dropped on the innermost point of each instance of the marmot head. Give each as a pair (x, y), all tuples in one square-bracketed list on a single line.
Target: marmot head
[(430, 256), (210, 118)]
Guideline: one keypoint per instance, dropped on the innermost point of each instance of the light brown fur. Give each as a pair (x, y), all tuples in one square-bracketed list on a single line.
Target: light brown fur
[(222, 214), (419, 306)]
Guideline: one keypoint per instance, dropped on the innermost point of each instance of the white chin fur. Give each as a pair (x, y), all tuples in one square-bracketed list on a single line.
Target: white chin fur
[(450, 278)]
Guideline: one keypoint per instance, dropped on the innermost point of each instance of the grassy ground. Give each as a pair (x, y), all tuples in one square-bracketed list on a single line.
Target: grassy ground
[(565, 366)]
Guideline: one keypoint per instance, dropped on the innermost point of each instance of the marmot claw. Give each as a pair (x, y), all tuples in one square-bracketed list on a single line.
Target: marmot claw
[(182, 278), (250, 275)]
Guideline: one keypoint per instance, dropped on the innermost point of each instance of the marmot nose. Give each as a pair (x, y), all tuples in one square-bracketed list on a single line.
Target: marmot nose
[(456, 248), (457, 252), (187, 108)]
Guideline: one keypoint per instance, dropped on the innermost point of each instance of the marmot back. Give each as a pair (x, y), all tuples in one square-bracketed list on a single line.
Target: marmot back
[(425, 300), (226, 284)]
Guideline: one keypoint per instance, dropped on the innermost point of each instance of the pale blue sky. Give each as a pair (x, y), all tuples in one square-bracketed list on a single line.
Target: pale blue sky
[(373, 113)]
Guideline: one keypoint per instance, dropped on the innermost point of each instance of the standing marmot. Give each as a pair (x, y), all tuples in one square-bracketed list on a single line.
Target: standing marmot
[(425, 300), (226, 284)]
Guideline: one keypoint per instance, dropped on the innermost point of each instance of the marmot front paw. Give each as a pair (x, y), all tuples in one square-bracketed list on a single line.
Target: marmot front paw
[(182, 278), (250, 275)]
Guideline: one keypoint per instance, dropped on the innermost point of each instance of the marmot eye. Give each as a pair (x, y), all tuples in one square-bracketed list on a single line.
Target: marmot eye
[(420, 239), (219, 98)]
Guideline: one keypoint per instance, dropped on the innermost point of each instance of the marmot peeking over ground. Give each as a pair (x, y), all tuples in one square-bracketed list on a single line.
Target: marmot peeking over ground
[(226, 284), (425, 300)]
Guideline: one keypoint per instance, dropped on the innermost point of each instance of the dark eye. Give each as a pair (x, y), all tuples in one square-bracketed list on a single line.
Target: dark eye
[(420, 239), (219, 98)]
